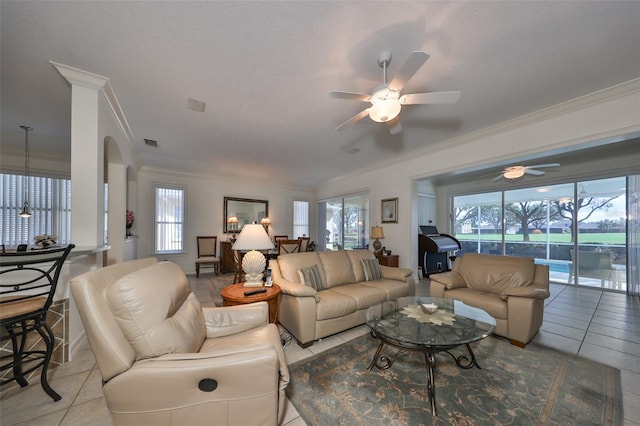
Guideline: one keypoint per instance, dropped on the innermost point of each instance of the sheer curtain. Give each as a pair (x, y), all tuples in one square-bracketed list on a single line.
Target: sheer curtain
[(49, 203), (633, 235)]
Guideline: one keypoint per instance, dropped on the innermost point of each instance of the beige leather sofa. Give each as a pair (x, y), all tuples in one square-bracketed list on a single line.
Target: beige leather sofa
[(310, 314), (166, 360), (510, 289)]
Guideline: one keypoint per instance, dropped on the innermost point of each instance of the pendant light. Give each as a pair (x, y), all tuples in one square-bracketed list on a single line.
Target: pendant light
[(25, 213)]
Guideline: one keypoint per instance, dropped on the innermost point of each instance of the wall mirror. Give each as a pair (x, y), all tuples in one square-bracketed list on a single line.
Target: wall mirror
[(246, 210)]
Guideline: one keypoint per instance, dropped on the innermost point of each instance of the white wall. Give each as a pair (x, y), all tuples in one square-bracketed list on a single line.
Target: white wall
[(205, 208), (606, 115)]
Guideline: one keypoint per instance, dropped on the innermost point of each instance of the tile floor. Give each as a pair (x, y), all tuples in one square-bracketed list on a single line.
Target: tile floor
[(594, 324)]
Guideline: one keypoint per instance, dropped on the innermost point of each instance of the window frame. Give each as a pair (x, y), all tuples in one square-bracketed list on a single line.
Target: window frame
[(183, 224), (306, 225)]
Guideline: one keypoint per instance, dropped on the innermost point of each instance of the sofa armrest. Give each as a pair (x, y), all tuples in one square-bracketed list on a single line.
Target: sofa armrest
[(391, 273), (528, 291), (235, 319), (449, 280), (297, 289)]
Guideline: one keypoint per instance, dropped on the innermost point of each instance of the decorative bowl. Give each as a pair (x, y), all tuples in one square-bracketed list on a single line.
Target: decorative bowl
[(429, 308)]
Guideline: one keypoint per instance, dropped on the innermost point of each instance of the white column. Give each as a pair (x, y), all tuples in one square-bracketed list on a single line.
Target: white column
[(87, 157)]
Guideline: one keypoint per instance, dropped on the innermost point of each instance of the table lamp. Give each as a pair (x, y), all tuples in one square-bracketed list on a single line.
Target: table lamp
[(253, 237), (378, 233)]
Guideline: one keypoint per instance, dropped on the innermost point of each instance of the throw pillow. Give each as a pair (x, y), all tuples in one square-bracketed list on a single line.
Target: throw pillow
[(311, 277), (371, 269)]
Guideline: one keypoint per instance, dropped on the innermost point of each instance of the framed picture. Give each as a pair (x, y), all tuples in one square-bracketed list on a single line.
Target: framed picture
[(390, 210)]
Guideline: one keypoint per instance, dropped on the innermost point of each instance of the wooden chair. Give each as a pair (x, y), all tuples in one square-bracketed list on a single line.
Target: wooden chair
[(237, 262), (288, 246), (28, 282), (207, 255), (277, 238), (304, 243)]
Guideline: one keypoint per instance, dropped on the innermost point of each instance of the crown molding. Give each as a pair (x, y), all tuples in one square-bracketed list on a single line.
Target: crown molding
[(102, 84)]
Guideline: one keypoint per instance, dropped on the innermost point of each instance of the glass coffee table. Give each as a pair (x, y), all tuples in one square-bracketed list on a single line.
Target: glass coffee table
[(428, 325)]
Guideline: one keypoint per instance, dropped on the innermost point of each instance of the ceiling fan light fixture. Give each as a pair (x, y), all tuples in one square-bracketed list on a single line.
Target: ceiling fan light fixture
[(514, 172), (385, 110)]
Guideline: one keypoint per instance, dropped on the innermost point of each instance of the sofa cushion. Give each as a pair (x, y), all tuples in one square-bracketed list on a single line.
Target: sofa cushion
[(334, 305), (371, 269), (311, 277), (365, 296), (172, 323), (356, 256), (337, 268), (392, 288), (290, 263), (492, 274), (489, 302)]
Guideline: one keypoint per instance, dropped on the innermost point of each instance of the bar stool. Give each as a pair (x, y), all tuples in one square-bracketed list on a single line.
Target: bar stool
[(28, 282)]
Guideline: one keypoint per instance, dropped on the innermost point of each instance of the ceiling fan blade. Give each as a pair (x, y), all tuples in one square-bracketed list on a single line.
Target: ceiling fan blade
[(350, 95), (413, 63), (533, 172), (430, 98), (500, 176), (394, 126), (539, 166), (357, 117)]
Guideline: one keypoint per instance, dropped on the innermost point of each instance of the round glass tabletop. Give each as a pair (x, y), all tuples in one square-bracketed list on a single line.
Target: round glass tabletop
[(429, 322)]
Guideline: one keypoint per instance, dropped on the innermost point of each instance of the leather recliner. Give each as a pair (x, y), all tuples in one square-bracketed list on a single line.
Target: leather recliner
[(164, 359)]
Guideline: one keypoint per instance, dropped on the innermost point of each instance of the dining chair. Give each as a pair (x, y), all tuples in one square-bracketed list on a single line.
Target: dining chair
[(304, 243), (288, 246), (207, 254), (237, 263), (28, 282), (277, 238)]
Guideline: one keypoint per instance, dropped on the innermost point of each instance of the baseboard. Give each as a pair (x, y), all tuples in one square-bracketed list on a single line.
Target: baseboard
[(77, 344)]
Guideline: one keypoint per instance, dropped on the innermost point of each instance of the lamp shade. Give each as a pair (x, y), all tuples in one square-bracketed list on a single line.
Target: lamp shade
[(514, 172), (377, 232), (253, 237), (385, 110)]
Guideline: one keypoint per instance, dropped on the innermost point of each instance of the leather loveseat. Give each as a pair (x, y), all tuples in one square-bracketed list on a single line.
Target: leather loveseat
[(510, 289), (341, 295), (165, 360)]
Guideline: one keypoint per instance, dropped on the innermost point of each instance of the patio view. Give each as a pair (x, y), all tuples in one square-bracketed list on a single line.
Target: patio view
[(579, 229)]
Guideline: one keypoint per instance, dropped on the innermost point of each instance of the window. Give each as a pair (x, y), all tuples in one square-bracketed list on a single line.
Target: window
[(169, 219), (50, 205), (345, 222), (300, 219)]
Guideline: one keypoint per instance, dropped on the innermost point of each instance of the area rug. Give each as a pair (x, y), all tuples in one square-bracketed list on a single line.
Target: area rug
[(531, 386)]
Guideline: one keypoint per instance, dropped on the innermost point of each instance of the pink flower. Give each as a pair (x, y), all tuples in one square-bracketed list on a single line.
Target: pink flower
[(131, 217)]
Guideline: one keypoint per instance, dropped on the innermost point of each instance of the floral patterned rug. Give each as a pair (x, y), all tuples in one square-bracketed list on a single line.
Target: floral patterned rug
[(531, 386)]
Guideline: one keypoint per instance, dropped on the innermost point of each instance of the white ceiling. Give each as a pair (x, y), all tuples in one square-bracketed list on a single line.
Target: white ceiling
[(264, 69)]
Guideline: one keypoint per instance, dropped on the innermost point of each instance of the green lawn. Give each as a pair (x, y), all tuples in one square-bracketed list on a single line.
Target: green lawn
[(591, 238)]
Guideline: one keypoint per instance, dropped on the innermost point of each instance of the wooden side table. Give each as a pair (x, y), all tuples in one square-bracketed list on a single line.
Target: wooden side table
[(391, 260), (233, 295)]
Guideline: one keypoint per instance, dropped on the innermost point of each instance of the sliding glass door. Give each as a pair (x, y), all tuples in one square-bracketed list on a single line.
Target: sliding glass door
[(601, 259), (344, 222), (579, 229)]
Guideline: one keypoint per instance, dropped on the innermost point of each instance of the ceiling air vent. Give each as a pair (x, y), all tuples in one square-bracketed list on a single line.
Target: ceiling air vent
[(196, 105), (151, 142)]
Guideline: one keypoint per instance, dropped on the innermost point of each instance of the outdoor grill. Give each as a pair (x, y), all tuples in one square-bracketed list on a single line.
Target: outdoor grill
[(435, 250)]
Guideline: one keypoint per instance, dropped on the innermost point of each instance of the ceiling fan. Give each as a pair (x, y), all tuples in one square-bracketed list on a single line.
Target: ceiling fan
[(386, 101), (515, 172)]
